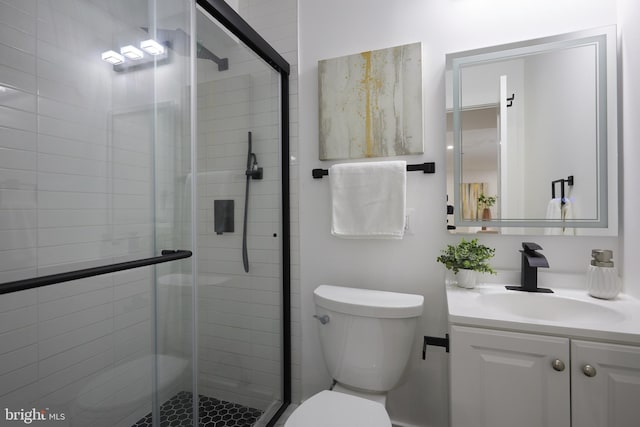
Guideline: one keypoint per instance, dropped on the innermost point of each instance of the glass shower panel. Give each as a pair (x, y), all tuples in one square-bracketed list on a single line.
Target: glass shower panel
[(152, 146), (94, 159), (239, 297)]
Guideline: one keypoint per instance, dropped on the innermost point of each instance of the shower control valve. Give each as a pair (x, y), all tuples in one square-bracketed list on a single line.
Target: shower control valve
[(254, 172)]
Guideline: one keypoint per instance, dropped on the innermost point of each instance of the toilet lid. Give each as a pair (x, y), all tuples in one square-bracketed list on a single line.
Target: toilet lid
[(331, 408)]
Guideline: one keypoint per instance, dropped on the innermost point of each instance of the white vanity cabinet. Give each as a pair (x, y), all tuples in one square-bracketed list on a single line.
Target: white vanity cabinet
[(506, 379), (605, 384)]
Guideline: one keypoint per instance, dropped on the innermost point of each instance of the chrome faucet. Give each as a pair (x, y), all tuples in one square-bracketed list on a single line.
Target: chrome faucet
[(531, 261)]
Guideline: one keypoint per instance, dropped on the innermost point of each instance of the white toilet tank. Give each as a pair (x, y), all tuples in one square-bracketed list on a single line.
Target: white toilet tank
[(369, 334)]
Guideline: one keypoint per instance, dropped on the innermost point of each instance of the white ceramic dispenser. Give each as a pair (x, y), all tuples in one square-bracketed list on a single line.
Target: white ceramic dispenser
[(602, 277)]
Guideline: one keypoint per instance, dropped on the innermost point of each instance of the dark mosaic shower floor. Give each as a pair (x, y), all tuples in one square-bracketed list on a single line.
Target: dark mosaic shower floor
[(176, 412)]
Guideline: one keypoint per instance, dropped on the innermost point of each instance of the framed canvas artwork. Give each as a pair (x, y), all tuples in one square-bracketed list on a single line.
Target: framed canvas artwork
[(370, 104)]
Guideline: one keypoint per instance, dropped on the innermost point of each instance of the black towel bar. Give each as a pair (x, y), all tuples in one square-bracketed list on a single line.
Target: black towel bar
[(429, 167)]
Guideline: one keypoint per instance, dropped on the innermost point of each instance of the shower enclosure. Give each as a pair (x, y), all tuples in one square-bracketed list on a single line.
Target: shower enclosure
[(136, 289)]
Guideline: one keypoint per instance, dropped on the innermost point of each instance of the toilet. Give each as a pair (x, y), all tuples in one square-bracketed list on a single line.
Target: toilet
[(366, 338)]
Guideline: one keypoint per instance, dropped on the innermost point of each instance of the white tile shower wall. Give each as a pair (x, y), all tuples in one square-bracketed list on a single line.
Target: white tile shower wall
[(75, 185), (18, 131), (239, 329)]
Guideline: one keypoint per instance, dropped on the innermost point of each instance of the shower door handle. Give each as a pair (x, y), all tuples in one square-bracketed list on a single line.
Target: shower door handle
[(52, 279)]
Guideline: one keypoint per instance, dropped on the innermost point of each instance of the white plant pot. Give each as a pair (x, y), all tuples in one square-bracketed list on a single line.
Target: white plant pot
[(467, 278)]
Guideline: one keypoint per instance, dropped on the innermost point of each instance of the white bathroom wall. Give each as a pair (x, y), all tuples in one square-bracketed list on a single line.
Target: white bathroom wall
[(409, 265), (628, 16)]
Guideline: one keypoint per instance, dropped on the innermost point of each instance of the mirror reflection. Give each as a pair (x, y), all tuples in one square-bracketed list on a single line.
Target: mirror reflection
[(527, 132)]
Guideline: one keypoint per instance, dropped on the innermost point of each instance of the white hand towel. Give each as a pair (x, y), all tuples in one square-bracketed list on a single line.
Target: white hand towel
[(368, 199), (554, 211), (567, 215), (557, 211), (567, 210)]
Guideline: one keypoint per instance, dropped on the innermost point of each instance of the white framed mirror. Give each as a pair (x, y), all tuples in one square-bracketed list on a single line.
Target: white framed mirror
[(532, 136)]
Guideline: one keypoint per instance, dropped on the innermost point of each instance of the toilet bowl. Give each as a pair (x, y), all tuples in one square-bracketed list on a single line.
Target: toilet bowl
[(366, 338), (332, 408)]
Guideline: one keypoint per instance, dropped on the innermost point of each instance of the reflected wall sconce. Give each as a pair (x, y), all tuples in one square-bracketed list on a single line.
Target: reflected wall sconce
[(131, 58), (112, 57), (131, 52), (152, 47)]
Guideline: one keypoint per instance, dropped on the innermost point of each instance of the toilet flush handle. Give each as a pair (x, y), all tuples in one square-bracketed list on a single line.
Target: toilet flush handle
[(324, 319)]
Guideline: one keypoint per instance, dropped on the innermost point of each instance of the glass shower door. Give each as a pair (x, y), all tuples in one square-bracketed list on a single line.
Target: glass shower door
[(239, 231), (95, 145)]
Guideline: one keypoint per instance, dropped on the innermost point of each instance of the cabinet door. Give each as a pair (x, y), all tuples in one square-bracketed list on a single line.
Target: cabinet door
[(611, 395), (507, 379)]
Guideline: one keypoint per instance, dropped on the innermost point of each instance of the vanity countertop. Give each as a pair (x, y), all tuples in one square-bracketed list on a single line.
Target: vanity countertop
[(566, 312)]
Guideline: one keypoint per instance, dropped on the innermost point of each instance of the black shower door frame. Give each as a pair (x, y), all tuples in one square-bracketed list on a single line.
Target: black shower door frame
[(233, 22)]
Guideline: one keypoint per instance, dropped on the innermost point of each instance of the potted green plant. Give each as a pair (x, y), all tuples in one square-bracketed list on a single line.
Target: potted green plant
[(466, 259), (485, 203)]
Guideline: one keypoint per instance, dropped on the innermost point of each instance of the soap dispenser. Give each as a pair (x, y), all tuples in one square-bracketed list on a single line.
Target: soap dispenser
[(602, 277)]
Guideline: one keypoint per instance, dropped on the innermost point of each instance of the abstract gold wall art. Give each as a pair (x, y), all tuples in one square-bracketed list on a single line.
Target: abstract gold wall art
[(370, 104), (469, 193)]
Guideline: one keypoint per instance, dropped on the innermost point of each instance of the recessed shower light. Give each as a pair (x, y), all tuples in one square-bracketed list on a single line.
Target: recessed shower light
[(131, 52), (152, 47), (112, 57)]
